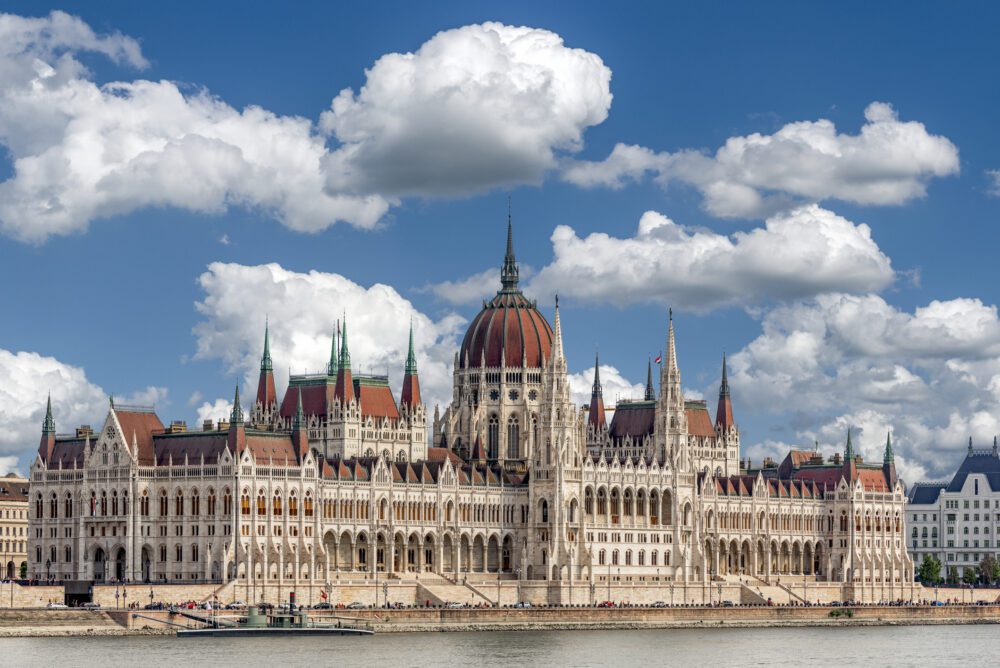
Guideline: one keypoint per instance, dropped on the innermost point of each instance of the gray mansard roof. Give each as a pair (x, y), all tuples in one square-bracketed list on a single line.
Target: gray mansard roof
[(985, 462)]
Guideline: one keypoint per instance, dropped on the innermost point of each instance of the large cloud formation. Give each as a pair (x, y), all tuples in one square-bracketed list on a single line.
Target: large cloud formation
[(888, 162), (476, 107), (28, 378), (303, 309), (839, 361), (804, 252)]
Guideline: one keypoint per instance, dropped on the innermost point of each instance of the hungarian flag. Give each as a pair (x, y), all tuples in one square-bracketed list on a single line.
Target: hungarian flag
[(659, 358), (322, 595)]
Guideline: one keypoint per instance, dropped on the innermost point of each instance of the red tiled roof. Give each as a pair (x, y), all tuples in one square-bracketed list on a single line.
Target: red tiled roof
[(699, 421), (441, 454), (142, 424), (271, 447), (377, 400), (315, 398), (635, 419)]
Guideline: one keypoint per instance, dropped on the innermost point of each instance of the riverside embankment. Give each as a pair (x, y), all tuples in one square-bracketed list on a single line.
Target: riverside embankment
[(35, 622)]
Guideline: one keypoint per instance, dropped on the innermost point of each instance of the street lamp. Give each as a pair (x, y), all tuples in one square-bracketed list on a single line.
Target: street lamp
[(385, 593), (671, 594), (720, 592), (517, 574)]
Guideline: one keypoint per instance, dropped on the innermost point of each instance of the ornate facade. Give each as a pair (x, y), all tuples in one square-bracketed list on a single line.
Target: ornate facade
[(514, 478)]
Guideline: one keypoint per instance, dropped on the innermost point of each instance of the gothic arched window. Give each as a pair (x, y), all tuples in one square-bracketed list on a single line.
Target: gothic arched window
[(513, 438), (493, 438)]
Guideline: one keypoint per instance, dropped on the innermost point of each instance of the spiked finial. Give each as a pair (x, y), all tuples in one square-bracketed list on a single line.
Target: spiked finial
[(345, 355), (411, 358), (49, 425), (994, 446), (557, 347), (650, 395), (265, 360), (236, 417), (970, 445), (671, 344), (888, 457), (509, 271), (849, 449)]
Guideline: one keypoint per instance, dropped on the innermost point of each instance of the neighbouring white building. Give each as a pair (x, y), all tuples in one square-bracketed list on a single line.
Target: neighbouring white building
[(958, 521)]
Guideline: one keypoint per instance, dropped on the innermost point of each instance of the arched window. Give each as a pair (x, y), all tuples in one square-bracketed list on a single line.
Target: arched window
[(163, 503), (194, 553), (614, 558), (144, 503), (261, 503), (276, 504), (493, 438), (179, 504), (195, 503), (307, 505), (69, 554), (244, 504), (293, 505), (227, 503), (513, 438), (211, 501), (104, 504), (114, 502), (68, 505), (544, 510), (180, 553)]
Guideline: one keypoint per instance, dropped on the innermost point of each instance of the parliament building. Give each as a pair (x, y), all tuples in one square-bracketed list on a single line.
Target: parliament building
[(337, 479)]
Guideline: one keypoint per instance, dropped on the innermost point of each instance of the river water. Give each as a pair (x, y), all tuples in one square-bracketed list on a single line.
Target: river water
[(872, 646)]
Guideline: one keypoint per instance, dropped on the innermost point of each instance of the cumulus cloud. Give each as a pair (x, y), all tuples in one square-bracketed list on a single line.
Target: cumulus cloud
[(472, 289), (472, 108), (888, 162), (614, 386), (837, 361), (28, 378), (215, 411), (476, 107), (803, 252), (303, 309)]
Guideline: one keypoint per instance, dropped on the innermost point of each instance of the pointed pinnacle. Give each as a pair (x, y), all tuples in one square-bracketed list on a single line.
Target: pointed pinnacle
[(597, 390), (265, 360), (411, 358), (650, 395), (345, 355), (49, 425), (724, 387)]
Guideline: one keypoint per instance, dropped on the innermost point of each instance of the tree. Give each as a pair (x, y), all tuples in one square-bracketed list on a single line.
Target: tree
[(929, 571), (989, 570), (952, 575), (970, 576)]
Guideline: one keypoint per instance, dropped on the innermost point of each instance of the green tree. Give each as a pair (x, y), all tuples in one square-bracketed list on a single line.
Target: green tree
[(24, 569), (989, 569), (952, 575), (930, 570), (970, 576)]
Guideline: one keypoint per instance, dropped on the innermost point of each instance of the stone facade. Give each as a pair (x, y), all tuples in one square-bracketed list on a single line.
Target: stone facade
[(338, 482)]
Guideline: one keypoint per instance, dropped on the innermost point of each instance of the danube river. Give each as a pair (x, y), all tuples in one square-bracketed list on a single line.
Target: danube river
[(882, 646)]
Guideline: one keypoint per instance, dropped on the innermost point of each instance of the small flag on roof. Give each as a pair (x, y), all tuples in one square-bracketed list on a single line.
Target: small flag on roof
[(659, 358)]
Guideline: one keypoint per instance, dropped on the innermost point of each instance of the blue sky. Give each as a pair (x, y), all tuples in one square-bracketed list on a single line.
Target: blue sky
[(829, 323)]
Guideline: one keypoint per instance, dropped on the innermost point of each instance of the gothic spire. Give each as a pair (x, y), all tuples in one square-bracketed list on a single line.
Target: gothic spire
[(49, 425), (557, 346), (596, 391), (509, 271), (724, 387), (237, 415), (671, 364), (888, 457), (970, 445), (331, 368), (299, 419), (345, 355), (411, 358), (849, 449), (265, 360), (650, 395)]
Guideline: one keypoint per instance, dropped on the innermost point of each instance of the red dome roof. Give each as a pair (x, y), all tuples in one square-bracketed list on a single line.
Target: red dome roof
[(511, 326)]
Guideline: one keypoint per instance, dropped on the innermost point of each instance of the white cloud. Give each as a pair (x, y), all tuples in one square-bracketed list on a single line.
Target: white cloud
[(932, 376), (473, 108), (888, 162), (302, 309), (614, 386), (472, 289), (8, 464), (804, 252), (216, 411), (28, 378), (993, 176)]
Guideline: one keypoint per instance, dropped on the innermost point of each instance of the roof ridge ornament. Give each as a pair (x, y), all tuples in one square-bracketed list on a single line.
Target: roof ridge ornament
[(509, 271)]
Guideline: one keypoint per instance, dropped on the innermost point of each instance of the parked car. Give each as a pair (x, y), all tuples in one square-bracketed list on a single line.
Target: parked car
[(325, 605), (159, 605), (658, 604), (91, 606), (356, 605), (727, 604), (53, 604), (236, 605), (522, 604), (606, 604)]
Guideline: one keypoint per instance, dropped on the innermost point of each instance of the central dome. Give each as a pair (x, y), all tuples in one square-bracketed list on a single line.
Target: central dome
[(510, 327)]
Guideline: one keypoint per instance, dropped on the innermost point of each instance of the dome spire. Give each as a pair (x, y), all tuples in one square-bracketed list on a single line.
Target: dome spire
[(509, 271), (650, 395)]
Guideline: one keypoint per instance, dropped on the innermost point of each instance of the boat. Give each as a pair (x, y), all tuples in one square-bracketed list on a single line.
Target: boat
[(258, 622)]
